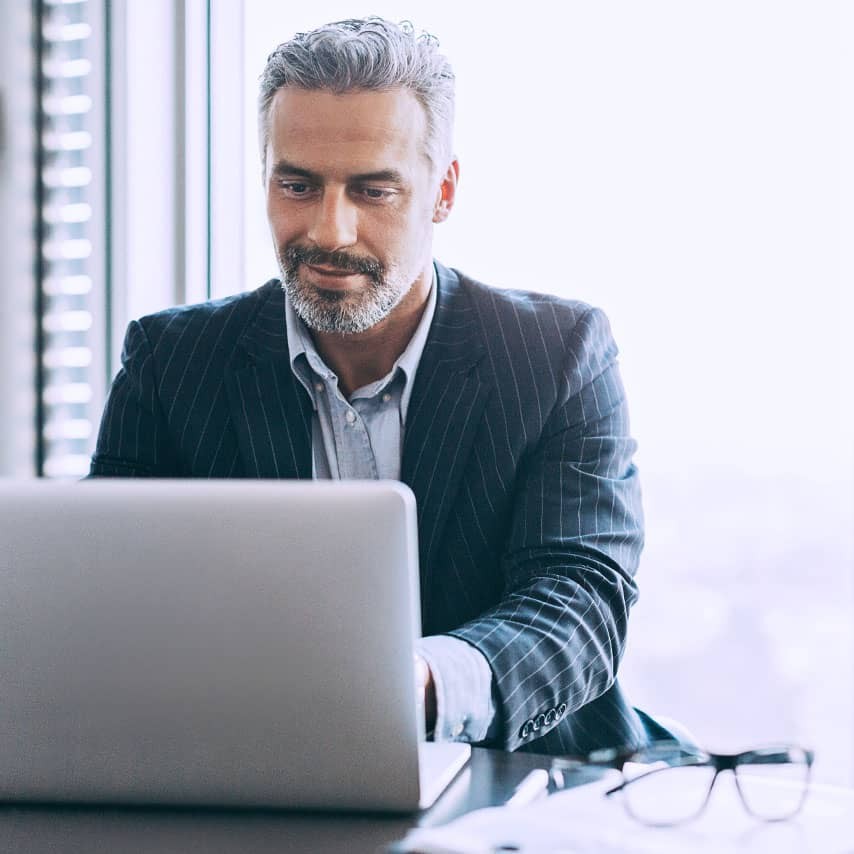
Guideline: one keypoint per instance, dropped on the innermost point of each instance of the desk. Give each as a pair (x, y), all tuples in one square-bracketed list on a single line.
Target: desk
[(489, 779), (825, 827)]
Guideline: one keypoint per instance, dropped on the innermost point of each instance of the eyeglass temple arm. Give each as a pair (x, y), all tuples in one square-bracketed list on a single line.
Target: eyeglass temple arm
[(666, 768)]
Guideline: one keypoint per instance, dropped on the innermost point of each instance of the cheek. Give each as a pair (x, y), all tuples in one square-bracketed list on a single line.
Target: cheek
[(398, 240), (275, 208), (412, 228), (283, 221), (274, 213)]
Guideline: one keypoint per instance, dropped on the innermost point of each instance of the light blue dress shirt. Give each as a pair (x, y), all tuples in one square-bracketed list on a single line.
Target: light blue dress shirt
[(362, 438)]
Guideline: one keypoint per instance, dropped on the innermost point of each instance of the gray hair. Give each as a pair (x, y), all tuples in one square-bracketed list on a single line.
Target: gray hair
[(366, 54)]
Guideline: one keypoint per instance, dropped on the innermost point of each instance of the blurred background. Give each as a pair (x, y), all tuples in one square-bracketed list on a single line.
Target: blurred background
[(685, 166)]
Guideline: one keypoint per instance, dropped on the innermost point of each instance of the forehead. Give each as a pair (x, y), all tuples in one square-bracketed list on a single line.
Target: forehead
[(358, 131)]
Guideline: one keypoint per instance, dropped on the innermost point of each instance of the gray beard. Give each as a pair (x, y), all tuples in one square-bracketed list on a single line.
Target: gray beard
[(344, 314), (333, 311)]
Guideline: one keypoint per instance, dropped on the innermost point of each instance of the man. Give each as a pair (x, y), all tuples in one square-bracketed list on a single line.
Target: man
[(503, 411)]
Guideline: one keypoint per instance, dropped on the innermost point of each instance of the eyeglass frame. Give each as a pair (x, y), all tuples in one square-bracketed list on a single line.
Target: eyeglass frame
[(677, 755)]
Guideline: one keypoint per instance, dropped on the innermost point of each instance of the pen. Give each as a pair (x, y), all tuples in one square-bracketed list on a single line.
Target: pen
[(531, 787)]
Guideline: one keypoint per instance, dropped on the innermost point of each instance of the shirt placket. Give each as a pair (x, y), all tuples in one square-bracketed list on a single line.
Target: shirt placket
[(353, 444)]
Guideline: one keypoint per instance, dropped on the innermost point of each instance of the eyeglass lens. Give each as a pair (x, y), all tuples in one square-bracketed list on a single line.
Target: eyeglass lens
[(666, 795), (773, 783)]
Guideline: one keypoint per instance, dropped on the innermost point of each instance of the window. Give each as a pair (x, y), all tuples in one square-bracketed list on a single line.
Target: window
[(678, 165), (104, 191)]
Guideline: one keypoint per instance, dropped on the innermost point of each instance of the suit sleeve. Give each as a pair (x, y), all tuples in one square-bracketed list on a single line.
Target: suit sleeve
[(555, 638), (133, 439)]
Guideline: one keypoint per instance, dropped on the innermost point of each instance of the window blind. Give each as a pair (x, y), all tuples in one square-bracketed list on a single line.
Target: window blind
[(71, 233)]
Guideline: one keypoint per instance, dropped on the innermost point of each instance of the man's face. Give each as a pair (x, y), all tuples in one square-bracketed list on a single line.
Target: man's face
[(351, 201)]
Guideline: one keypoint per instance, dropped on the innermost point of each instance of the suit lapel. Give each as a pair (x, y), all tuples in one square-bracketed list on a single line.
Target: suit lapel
[(270, 410), (446, 406)]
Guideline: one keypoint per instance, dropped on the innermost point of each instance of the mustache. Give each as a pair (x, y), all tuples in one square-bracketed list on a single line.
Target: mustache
[(293, 256)]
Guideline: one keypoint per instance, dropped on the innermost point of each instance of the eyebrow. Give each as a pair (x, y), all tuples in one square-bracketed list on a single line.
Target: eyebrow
[(390, 176)]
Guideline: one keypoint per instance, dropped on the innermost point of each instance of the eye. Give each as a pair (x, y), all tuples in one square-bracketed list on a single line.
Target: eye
[(376, 194), (297, 189)]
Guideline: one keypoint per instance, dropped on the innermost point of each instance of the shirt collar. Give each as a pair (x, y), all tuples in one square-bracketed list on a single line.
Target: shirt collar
[(300, 344)]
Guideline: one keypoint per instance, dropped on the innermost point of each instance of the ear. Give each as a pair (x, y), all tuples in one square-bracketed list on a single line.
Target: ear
[(447, 192)]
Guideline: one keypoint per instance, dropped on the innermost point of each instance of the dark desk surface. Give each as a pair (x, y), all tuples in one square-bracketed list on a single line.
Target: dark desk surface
[(489, 779)]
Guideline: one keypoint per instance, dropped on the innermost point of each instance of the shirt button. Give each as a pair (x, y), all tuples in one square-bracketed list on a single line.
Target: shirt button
[(318, 386), (457, 730), (350, 416), (386, 397)]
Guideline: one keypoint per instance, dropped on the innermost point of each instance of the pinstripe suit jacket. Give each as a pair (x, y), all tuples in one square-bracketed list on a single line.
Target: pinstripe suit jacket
[(516, 447)]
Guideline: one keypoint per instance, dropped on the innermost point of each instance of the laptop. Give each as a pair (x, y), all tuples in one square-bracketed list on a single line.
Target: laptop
[(218, 643)]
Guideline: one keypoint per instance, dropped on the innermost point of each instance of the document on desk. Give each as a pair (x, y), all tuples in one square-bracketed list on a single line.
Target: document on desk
[(582, 821)]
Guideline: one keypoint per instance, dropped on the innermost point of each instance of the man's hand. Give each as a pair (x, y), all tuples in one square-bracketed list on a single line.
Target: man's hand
[(425, 692)]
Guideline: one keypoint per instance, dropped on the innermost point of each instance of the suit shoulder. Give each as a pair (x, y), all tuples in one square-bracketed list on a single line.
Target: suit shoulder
[(210, 311), (213, 320), (530, 312)]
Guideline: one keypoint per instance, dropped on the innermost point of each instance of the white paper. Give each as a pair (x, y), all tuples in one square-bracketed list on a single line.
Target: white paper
[(583, 821)]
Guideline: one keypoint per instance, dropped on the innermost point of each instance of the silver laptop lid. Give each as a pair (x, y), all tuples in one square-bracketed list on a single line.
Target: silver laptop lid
[(203, 642)]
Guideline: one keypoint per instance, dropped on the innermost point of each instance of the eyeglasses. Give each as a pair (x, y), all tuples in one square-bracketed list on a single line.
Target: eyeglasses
[(666, 784)]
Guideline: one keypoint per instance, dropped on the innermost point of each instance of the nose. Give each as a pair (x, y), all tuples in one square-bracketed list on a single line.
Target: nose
[(334, 223)]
